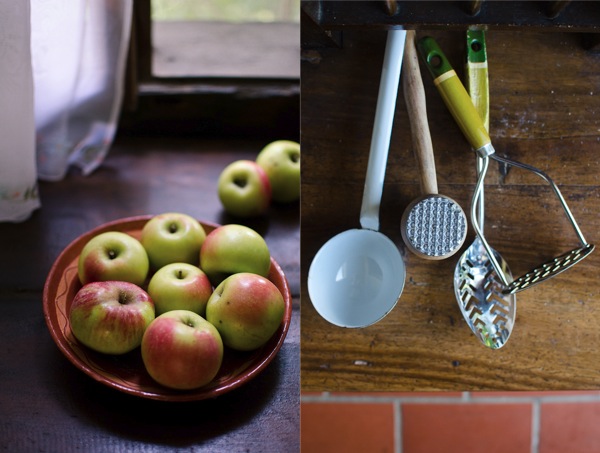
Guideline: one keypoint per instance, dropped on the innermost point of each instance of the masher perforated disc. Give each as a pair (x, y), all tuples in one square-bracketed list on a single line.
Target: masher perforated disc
[(434, 227)]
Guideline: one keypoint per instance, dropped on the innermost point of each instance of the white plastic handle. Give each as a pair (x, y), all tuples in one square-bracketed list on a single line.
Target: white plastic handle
[(382, 129)]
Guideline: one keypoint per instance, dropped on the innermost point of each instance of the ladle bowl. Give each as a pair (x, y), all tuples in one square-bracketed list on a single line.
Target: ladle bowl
[(356, 278)]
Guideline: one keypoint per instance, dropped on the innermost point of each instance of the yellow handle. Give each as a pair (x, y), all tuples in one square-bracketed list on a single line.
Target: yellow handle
[(477, 85), (462, 109), (476, 75), (454, 94)]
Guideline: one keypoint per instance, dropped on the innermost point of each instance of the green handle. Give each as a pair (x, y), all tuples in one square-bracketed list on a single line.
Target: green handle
[(476, 50), (453, 93)]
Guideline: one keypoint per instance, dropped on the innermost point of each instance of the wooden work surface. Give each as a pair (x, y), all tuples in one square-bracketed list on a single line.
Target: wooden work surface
[(545, 111), (49, 405)]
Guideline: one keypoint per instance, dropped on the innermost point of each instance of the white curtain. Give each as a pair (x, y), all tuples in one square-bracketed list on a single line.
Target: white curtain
[(70, 57)]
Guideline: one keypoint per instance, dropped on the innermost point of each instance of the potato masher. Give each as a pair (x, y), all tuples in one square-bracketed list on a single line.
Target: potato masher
[(433, 226), (462, 109)]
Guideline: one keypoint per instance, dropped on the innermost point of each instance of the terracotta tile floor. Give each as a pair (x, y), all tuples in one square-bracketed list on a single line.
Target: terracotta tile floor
[(515, 422), (344, 427), (570, 427)]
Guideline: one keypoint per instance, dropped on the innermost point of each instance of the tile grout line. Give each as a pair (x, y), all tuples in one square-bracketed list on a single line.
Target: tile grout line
[(535, 426), (397, 427), (464, 398)]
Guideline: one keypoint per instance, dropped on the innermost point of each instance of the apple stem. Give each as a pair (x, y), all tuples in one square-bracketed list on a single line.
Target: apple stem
[(180, 274), (112, 254), (122, 298), (172, 228), (240, 182)]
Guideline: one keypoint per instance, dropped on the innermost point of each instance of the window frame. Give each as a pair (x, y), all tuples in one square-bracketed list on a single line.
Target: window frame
[(144, 91)]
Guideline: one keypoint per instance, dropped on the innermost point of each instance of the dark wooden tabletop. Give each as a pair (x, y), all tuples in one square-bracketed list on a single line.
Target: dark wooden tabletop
[(46, 404), (544, 90)]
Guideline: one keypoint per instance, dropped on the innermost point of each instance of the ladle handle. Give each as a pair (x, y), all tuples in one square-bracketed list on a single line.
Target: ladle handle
[(454, 94), (414, 96), (382, 129)]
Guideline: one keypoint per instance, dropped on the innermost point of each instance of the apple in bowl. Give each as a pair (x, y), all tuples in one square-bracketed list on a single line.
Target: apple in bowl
[(113, 255), (111, 316), (247, 309), (172, 237), (232, 248), (180, 286), (181, 350)]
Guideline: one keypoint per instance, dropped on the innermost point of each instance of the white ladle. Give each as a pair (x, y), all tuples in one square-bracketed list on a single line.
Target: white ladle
[(356, 278)]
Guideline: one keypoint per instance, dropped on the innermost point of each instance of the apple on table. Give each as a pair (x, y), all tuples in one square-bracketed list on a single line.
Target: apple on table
[(246, 309), (113, 255), (111, 316), (244, 189), (172, 237), (281, 162), (181, 350), (180, 286), (233, 248)]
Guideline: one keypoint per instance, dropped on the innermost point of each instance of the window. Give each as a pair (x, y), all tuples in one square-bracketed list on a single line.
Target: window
[(215, 67), (225, 38)]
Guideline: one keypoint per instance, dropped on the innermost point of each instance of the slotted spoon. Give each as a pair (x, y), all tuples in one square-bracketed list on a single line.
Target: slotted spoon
[(479, 290)]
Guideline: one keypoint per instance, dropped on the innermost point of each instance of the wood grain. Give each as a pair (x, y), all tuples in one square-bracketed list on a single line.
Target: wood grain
[(544, 111)]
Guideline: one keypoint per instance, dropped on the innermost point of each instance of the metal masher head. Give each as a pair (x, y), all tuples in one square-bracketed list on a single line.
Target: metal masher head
[(464, 112), (434, 226), (552, 267)]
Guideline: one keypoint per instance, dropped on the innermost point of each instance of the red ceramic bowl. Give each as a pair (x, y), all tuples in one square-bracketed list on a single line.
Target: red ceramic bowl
[(127, 373)]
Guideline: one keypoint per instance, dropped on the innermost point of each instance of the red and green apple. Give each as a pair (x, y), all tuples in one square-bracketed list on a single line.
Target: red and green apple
[(113, 255), (233, 248), (281, 162), (181, 350), (172, 237), (180, 286), (246, 309), (111, 316), (244, 189)]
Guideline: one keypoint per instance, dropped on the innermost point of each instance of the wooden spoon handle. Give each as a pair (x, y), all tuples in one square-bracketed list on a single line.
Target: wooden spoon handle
[(414, 96)]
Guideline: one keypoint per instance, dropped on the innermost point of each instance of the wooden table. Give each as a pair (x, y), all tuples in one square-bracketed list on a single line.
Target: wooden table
[(46, 403), (544, 90)]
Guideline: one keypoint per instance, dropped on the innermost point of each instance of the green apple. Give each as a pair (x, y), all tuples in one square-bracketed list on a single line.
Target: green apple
[(281, 162), (180, 286), (113, 256), (233, 248), (246, 309), (181, 350), (244, 189), (172, 237), (111, 317)]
